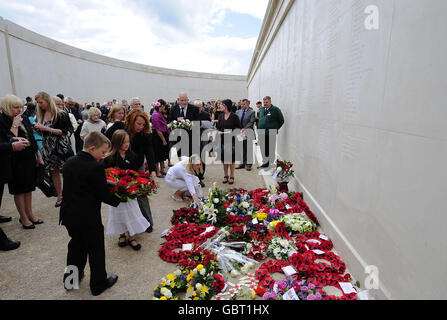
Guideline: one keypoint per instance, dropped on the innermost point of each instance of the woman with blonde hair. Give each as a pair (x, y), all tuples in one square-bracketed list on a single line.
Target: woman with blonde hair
[(182, 177), (53, 125), (19, 165), (117, 113)]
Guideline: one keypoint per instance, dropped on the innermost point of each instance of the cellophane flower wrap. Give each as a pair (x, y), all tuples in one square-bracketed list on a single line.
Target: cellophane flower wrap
[(128, 184), (283, 171)]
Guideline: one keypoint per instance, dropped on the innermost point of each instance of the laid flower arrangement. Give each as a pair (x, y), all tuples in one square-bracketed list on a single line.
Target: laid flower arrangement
[(183, 215), (199, 284), (180, 124), (128, 184), (280, 249), (283, 171), (277, 225), (298, 223)]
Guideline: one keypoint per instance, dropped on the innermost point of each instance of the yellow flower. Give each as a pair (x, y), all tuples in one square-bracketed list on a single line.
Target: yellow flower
[(261, 216), (199, 267), (194, 294), (156, 288), (170, 277), (196, 298), (172, 284), (163, 298), (163, 283), (189, 288), (204, 289), (190, 275)]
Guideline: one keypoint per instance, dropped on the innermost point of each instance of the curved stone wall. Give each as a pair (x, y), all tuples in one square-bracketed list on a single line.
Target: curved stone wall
[(366, 128), (30, 62)]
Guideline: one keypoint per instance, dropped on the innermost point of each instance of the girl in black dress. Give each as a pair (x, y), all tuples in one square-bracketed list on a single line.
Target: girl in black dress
[(13, 126)]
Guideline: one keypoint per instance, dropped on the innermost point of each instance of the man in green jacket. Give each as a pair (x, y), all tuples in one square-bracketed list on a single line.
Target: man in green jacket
[(271, 120)]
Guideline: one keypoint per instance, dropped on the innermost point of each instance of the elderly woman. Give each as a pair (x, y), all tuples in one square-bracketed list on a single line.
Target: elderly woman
[(53, 125), (21, 163), (94, 123), (160, 137), (182, 178)]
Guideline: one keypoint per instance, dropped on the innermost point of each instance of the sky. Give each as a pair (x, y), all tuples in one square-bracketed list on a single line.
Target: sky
[(215, 36)]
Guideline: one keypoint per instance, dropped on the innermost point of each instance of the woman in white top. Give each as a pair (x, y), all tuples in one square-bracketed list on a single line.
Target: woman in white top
[(182, 178), (94, 123)]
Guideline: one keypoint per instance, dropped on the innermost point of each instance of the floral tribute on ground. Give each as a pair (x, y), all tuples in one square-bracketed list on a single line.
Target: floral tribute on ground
[(234, 231)]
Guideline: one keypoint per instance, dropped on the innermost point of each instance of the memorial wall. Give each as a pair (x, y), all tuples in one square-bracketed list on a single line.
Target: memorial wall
[(30, 63), (362, 85)]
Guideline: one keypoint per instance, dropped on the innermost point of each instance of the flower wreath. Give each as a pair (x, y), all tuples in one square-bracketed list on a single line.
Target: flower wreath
[(167, 253), (191, 233), (336, 264), (190, 215), (333, 280), (263, 274), (302, 240)]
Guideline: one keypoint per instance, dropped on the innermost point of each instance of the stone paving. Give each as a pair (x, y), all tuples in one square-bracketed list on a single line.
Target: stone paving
[(34, 271)]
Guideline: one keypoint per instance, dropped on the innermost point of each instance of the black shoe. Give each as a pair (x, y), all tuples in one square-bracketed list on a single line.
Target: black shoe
[(109, 283), (149, 230), (36, 222), (135, 247), (242, 166), (32, 226), (202, 184), (9, 245), (4, 219), (265, 165)]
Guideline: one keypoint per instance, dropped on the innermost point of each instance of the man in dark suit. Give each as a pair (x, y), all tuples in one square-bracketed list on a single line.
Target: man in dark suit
[(183, 109), (85, 187), (247, 117)]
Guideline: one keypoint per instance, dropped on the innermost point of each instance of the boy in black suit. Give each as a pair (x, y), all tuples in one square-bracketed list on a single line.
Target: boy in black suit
[(85, 187)]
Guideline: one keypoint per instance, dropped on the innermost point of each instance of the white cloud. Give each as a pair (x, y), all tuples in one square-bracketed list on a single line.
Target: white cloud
[(128, 30)]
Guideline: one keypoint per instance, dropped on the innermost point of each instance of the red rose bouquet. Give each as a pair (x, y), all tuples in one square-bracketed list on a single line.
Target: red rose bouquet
[(128, 184)]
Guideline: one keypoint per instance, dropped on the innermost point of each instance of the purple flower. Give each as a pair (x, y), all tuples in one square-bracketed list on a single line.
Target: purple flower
[(311, 297), (270, 295), (311, 286), (317, 296), (304, 289)]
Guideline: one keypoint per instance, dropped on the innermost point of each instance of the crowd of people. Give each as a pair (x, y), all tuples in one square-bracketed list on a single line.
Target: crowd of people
[(58, 136)]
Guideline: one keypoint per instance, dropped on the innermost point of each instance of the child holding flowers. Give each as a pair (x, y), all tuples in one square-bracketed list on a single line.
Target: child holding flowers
[(127, 217)]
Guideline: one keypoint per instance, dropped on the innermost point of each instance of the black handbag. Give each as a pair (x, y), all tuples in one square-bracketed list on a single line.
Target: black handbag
[(44, 182), (63, 147)]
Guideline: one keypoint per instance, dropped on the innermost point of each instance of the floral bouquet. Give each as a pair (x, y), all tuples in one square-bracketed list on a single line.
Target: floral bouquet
[(128, 184), (180, 124), (198, 256), (283, 171), (241, 205), (280, 249), (212, 209), (298, 223), (307, 289)]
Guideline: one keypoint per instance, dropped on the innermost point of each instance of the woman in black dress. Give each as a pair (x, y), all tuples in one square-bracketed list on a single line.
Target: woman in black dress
[(22, 182), (227, 122)]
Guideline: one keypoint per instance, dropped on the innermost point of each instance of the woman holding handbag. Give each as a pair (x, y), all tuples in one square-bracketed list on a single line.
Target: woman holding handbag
[(21, 163), (53, 124)]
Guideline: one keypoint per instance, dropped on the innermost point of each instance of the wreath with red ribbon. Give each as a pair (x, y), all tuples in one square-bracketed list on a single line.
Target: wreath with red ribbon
[(333, 280)]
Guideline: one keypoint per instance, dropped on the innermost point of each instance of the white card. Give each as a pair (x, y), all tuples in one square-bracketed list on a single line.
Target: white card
[(291, 252), (324, 237), (245, 229), (314, 241), (255, 221), (187, 247), (319, 252), (289, 270), (288, 207), (290, 295), (347, 287), (164, 233), (209, 229)]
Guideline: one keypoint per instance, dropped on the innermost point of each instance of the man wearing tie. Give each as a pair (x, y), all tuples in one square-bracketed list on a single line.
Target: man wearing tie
[(248, 118), (183, 109)]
